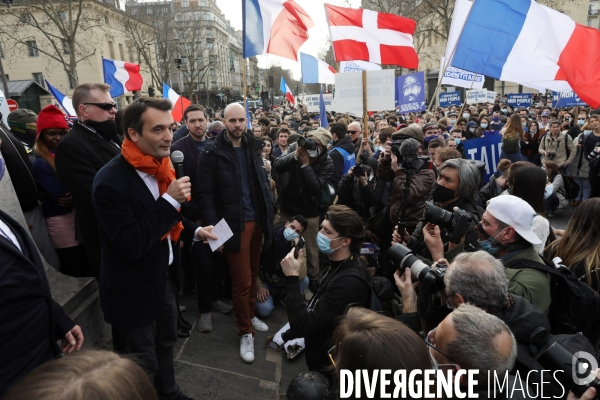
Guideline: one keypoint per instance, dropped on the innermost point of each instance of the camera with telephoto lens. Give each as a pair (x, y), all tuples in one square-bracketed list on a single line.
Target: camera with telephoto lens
[(307, 144), (577, 374), (456, 222), (550, 155), (432, 279), (411, 162)]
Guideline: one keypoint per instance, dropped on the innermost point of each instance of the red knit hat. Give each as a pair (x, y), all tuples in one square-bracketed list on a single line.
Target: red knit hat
[(50, 118)]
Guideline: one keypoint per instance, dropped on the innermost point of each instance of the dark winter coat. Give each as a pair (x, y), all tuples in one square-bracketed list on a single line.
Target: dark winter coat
[(300, 187), (219, 187), (338, 158)]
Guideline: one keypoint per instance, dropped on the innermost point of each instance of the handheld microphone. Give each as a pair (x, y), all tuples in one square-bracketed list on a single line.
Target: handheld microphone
[(177, 161)]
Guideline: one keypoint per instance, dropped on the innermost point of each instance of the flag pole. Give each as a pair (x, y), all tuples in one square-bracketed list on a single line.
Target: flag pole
[(365, 112), (244, 84), (467, 96)]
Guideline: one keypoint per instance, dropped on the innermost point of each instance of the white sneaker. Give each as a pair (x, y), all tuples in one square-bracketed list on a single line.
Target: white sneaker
[(247, 348), (259, 326)]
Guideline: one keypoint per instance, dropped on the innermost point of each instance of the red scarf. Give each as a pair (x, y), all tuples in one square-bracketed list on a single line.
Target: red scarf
[(161, 170)]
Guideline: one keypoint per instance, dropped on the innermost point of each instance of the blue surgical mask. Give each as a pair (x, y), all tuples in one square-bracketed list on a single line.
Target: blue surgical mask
[(486, 245), (324, 243), (483, 126), (504, 110), (452, 121), (581, 122), (457, 141), (466, 115), (524, 124), (587, 132), (290, 234)]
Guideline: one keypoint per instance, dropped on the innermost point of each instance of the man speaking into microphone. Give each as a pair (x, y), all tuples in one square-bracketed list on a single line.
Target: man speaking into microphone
[(137, 200)]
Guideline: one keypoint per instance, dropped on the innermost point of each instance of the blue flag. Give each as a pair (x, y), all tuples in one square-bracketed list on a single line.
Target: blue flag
[(410, 93), (322, 113), (566, 99), (248, 119), (486, 149)]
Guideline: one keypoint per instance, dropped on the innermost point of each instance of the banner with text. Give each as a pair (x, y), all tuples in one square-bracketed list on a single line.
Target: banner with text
[(491, 97), (566, 99), (355, 66), (449, 99), (486, 149), (380, 91), (519, 99), (410, 93), (312, 102), (459, 77), (477, 96)]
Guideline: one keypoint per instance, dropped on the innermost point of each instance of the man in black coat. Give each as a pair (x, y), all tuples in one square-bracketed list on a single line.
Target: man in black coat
[(137, 201), (200, 265), (343, 151), (232, 184), (30, 320), (90, 145)]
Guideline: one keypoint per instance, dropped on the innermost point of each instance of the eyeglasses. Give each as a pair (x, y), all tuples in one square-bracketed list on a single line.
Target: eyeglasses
[(330, 354), (353, 132), (428, 343), (104, 106)]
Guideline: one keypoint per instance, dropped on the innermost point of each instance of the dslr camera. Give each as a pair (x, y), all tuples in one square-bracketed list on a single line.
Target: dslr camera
[(456, 222), (432, 279), (407, 152), (550, 155), (307, 144)]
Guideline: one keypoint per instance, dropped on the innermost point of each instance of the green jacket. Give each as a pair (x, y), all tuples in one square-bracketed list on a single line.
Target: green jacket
[(529, 283)]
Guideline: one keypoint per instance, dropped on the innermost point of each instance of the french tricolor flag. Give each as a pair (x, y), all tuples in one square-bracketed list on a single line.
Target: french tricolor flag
[(63, 100), (526, 42), (277, 27), (180, 103), (122, 76), (284, 88), (316, 71)]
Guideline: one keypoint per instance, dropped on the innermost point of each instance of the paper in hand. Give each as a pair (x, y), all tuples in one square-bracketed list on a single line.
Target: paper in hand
[(223, 233)]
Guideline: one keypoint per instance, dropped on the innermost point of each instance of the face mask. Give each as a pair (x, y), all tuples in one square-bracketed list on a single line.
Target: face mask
[(581, 122), (457, 141), (442, 194), (531, 113), (524, 124), (466, 115), (314, 153), (504, 111), (533, 129), (587, 132), (429, 139), (483, 126), (496, 120), (290, 234), (2, 167), (324, 243), (106, 128), (452, 121), (471, 130), (487, 244)]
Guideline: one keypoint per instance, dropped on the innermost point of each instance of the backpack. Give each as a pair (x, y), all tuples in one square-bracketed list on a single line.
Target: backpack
[(571, 188), (574, 305)]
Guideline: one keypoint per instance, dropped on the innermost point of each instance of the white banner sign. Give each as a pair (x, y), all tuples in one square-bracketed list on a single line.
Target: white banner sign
[(355, 66), (459, 77), (491, 96), (312, 102), (477, 96), (380, 91)]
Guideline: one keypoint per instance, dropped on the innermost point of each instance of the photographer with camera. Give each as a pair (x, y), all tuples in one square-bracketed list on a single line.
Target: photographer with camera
[(452, 217), (303, 171), (344, 283), (558, 147), (360, 190), (401, 164)]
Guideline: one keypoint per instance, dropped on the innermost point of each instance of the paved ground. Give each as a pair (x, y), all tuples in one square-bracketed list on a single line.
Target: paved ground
[(208, 366)]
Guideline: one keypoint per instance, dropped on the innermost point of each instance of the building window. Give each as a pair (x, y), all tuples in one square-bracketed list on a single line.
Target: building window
[(65, 46), (32, 48), (26, 18), (111, 49), (121, 53), (134, 11), (202, 4), (209, 32), (38, 77), (62, 15), (185, 3), (207, 17), (106, 19), (149, 11)]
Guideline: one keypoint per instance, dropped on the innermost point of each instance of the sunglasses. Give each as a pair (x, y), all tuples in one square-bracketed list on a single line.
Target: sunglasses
[(353, 132), (104, 106)]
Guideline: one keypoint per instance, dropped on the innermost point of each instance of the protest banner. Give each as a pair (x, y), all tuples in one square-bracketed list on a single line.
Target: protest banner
[(477, 96), (312, 102), (486, 149), (355, 66), (410, 93), (459, 77), (566, 99), (349, 91), (519, 99), (491, 97), (450, 98)]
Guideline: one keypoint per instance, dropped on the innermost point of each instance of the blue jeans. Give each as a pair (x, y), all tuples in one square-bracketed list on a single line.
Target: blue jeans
[(585, 189), (265, 309)]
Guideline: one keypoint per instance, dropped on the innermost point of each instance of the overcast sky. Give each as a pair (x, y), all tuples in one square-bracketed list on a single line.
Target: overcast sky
[(318, 35)]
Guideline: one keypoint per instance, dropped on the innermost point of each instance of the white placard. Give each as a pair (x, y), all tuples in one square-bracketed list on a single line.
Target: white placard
[(491, 97), (381, 86), (223, 233), (477, 96), (313, 101), (381, 90), (353, 66), (459, 77), (348, 93)]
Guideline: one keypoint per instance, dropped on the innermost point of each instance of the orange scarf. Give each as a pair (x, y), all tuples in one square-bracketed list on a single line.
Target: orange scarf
[(161, 170)]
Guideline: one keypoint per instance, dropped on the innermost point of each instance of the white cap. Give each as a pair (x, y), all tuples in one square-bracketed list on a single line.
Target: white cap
[(515, 212)]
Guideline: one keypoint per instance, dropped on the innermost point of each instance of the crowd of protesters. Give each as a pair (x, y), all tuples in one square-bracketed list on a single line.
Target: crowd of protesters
[(317, 210)]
